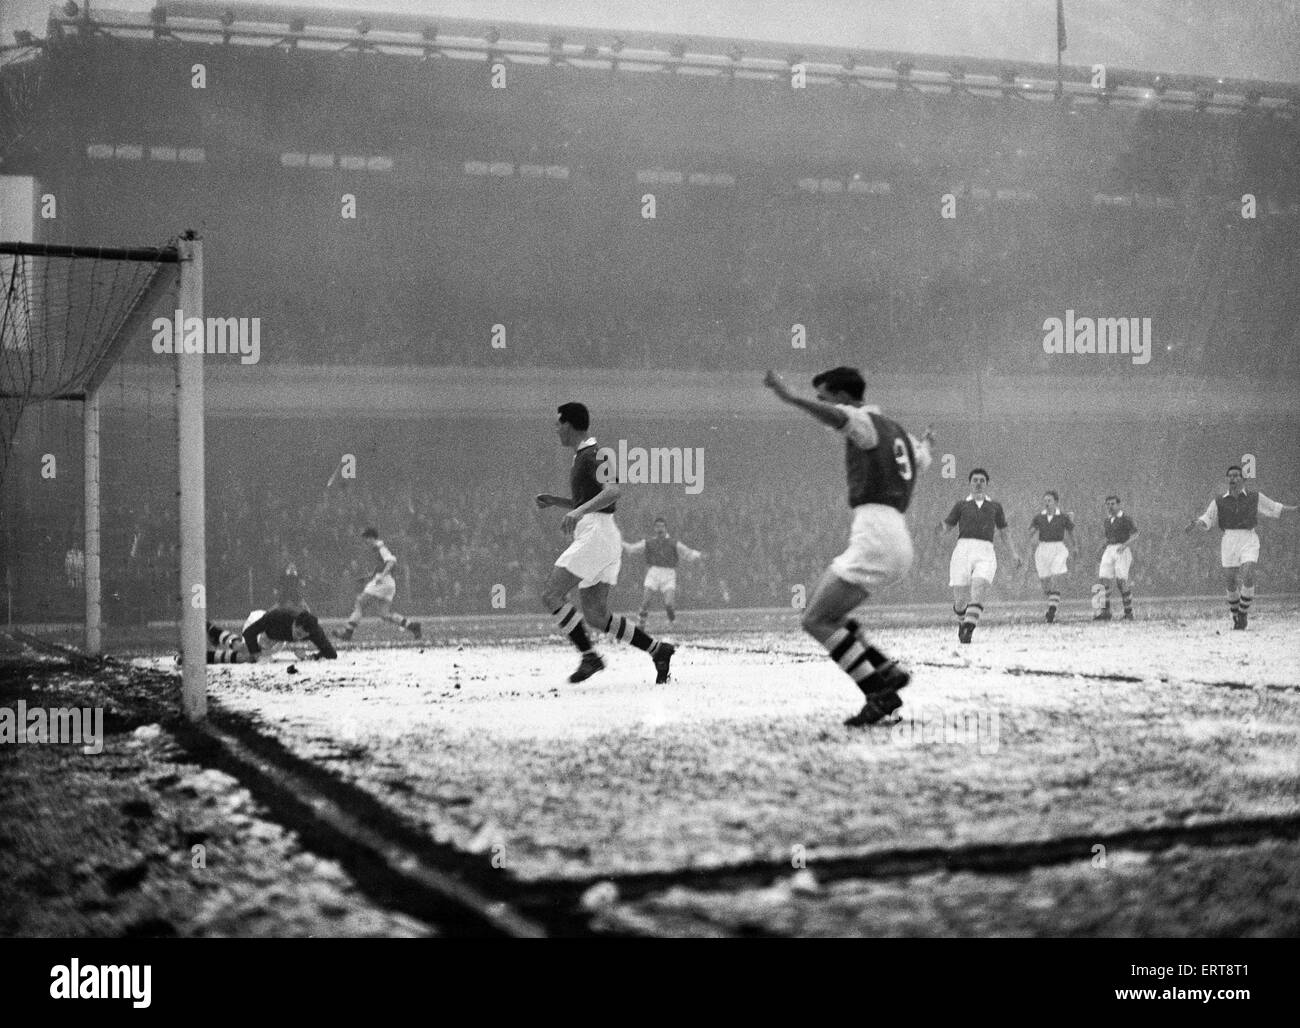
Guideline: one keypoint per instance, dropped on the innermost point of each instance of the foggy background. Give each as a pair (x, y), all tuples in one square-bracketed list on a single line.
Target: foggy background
[(816, 207)]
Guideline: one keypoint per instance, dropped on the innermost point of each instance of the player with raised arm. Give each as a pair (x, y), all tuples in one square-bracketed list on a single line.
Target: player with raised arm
[(376, 597), (881, 461), (1050, 529), (594, 555), (974, 560), (1116, 561), (662, 554), (1237, 512)]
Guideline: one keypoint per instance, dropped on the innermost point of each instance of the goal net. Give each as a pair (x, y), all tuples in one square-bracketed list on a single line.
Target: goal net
[(101, 452)]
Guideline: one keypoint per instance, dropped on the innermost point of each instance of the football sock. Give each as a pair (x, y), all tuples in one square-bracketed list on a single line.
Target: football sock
[(973, 612), (1127, 596), (958, 611), (220, 639), (1247, 595), (226, 657), (856, 657), (1233, 601), (1053, 600), (622, 630), (570, 622)]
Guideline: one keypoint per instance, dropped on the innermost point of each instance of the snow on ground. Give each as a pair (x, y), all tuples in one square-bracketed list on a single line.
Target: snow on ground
[(1016, 737)]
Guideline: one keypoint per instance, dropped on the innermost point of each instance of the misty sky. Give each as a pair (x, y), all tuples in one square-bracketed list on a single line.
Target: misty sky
[(1239, 38)]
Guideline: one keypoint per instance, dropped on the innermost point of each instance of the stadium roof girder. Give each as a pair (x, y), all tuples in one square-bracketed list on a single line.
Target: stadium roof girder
[(343, 31)]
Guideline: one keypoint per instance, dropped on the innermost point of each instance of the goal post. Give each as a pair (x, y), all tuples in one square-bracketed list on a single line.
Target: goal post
[(70, 317)]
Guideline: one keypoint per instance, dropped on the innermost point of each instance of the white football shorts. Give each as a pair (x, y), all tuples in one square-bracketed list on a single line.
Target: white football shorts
[(1052, 559), (880, 548), (1114, 562), (1239, 546), (596, 552), (660, 580), (972, 558), (381, 587)]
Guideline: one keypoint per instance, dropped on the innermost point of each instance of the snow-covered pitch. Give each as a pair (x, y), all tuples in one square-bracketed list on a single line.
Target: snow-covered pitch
[(1033, 733)]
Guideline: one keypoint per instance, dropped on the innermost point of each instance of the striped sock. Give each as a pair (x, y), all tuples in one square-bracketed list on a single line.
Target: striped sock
[(1247, 595), (958, 612), (622, 630), (1127, 596), (1233, 601), (1053, 600), (856, 657), (570, 622), (973, 612), (226, 657)]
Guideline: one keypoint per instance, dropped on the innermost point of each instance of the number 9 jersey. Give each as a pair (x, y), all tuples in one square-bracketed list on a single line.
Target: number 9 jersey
[(881, 458)]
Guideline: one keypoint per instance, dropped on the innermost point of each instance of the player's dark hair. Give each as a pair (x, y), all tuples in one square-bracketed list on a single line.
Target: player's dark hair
[(661, 520), (1112, 496), (370, 533), (978, 471), (1234, 467), (575, 414), (842, 380), (306, 620), (1056, 497)]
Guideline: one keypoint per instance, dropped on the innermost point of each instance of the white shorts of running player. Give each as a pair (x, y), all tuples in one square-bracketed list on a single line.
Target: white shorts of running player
[(1115, 563), (971, 559), (381, 587), (596, 552), (880, 548), (1052, 559), (1240, 546), (661, 580)]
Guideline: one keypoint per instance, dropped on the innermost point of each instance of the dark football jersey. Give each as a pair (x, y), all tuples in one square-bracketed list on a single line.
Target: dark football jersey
[(277, 624), (1051, 528), (584, 479), (661, 553), (976, 520), (884, 474), (1238, 511), (1119, 529)]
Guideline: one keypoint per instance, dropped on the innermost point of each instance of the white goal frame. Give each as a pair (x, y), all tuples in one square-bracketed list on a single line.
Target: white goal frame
[(181, 266)]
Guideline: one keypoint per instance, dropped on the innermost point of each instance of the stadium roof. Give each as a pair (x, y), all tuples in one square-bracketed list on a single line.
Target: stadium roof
[(359, 30)]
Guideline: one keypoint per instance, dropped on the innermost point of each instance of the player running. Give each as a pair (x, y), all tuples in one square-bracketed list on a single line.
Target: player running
[(881, 461), (593, 557), (1116, 561), (1052, 554), (662, 553), (1236, 513), (974, 560), (376, 598)]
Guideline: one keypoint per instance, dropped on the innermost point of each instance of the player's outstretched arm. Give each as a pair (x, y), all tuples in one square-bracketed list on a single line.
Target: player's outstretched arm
[(544, 500), (633, 549), (686, 553), (1206, 521), (252, 632), (1271, 508), (827, 414)]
